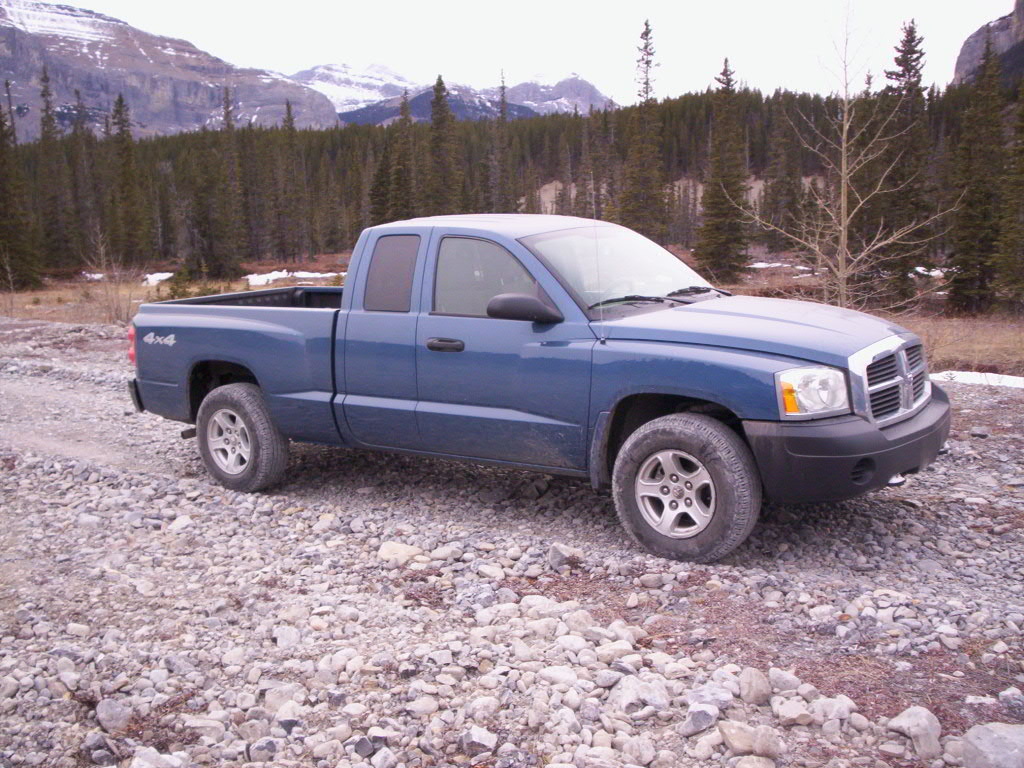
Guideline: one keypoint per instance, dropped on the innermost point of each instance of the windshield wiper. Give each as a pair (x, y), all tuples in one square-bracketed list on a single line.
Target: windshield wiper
[(635, 297), (697, 289)]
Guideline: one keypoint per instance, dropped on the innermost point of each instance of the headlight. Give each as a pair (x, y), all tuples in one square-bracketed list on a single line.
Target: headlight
[(814, 391)]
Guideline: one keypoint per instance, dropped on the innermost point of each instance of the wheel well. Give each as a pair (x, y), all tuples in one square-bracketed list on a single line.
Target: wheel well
[(636, 410), (210, 374)]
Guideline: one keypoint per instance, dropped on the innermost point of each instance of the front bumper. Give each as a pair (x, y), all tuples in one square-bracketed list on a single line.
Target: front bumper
[(843, 457)]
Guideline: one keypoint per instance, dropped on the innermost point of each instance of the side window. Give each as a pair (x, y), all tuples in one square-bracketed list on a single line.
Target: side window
[(389, 281), (472, 272)]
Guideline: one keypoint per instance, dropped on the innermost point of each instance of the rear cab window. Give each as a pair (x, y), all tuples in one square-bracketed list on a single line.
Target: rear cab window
[(390, 276)]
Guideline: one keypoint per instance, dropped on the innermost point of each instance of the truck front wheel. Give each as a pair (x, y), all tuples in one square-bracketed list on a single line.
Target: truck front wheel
[(686, 487), (239, 443)]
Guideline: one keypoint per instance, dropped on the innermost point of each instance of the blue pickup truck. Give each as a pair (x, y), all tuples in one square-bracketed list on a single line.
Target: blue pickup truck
[(559, 345)]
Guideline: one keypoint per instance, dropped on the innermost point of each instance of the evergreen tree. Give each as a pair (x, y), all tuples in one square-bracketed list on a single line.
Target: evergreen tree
[(380, 189), (907, 156), (642, 202), (130, 231), (979, 166), (1009, 260), (563, 198), (19, 261), (783, 185), (722, 240), (226, 234), (444, 189), (52, 187), (403, 164)]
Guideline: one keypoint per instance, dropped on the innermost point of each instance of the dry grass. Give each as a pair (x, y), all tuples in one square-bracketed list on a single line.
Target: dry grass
[(991, 345)]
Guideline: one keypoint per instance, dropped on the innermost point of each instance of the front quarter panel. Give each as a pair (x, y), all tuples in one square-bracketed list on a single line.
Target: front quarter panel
[(743, 382)]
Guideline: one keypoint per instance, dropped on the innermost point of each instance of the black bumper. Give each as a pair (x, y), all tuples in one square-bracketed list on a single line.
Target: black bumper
[(835, 459), (133, 392)]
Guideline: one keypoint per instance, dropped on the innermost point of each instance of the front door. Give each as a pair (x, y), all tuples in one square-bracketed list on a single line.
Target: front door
[(509, 390)]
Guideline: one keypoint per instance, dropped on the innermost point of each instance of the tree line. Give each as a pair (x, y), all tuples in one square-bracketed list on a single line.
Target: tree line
[(865, 185)]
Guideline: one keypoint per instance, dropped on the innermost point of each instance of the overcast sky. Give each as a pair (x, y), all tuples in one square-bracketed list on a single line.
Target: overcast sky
[(770, 43)]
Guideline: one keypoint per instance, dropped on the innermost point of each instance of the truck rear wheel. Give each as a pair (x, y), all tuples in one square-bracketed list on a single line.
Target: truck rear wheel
[(686, 487), (239, 443)]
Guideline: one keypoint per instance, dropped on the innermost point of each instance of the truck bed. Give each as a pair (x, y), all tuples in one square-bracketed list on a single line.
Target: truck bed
[(292, 297)]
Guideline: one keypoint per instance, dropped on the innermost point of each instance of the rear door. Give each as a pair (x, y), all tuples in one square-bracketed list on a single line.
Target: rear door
[(510, 390), (379, 403)]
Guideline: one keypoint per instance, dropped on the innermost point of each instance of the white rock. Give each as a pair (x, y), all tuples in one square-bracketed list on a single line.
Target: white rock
[(793, 712), (632, 694), (923, 728), (398, 552), (995, 745), (754, 687), (781, 680), (558, 675), (422, 706)]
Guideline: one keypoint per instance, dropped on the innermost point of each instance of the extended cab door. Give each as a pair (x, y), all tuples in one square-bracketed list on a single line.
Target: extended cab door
[(510, 390), (379, 402)]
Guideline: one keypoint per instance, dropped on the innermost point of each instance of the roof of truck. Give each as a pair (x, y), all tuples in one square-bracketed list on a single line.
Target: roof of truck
[(513, 225)]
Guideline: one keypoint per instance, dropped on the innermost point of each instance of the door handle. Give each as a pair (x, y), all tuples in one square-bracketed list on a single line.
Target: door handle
[(445, 345)]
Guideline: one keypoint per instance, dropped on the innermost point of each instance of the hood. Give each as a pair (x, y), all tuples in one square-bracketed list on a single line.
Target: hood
[(800, 329)]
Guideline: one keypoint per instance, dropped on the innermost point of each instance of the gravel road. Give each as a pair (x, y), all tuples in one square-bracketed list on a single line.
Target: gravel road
[(389, 611)]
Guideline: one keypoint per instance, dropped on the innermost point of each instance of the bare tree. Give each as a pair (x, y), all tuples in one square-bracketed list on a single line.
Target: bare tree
[(855, 148), (118, 284)]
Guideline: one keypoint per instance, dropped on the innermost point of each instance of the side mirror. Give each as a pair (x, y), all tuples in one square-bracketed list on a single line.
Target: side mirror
[(522, 306)]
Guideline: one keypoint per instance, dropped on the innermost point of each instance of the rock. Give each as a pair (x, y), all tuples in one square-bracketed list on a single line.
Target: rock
[(477, 740), (710, 693), (147, 757), (180, 523), (264, 750), (78, 630), (752, 761), (739, 737), (699, 717), (632, 694), (398, 552), (206, 726), (482, 707), (994, 745), (112, 715), (767, 742), (639, 750), (782, 680), (923, 728), (422, 706), (562, 555), (286, 636), (754, 687), (793, 712), (384, 758), (558, 675)]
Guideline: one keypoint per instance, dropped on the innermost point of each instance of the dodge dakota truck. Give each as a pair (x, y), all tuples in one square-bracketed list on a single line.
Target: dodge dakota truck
[(559, 345)]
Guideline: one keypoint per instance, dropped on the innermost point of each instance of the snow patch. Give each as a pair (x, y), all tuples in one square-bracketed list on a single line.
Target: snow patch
[(281, 274), (93, 276), (766, 265), (59, 21), (975, 377), (155, 278), (929, 272)]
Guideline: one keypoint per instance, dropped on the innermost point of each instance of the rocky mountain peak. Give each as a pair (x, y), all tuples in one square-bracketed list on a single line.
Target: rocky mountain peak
[(1007, 34)]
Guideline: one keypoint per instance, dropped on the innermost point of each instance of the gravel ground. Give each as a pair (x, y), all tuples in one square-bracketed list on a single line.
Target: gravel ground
[(392, 611)]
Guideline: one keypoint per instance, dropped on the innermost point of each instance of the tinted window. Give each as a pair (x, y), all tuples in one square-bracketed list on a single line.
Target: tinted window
[(472, 272), (389, 281)]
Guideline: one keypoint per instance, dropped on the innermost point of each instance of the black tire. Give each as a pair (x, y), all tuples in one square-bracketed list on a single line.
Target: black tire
[(729, 501), (267, 449)]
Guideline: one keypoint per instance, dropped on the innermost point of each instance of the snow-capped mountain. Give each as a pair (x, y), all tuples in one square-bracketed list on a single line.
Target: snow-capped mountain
[(351, 88), (466, 104), (371, 95), (564, 94), (170, 85)]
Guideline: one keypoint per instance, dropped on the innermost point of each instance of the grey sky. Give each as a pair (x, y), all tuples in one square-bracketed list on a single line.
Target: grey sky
[(770, 43)]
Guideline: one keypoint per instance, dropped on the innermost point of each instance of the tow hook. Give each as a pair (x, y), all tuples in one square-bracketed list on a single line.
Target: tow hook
[(896, 481), (187, 434)]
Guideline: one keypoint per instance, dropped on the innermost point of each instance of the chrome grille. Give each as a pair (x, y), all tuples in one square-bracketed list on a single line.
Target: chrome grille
[(893, 380), (883, 370)]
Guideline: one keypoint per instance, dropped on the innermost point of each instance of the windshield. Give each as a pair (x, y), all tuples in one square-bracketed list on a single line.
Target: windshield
[(603, 262)]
